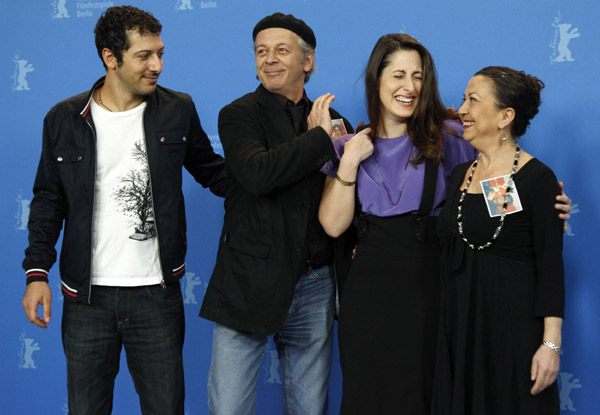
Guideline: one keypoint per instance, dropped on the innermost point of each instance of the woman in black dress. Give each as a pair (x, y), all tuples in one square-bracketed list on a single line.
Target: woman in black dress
[(503, 287)]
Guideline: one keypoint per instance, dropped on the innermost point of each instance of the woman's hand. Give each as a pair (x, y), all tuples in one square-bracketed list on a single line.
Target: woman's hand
[(563, 204), (337, 203), (545, 362), (544, 369), (358, 148)]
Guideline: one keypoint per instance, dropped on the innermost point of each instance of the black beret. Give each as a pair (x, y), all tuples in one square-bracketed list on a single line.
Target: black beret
[(289, 22)]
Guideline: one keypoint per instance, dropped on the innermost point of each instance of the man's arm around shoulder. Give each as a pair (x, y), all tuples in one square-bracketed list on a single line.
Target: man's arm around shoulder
[(207, 167)]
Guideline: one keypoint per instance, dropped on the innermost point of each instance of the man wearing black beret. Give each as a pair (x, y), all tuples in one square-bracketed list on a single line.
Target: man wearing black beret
[(274, 270)]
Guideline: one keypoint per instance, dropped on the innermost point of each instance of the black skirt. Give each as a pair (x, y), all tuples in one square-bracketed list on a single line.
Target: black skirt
[(389, 313)]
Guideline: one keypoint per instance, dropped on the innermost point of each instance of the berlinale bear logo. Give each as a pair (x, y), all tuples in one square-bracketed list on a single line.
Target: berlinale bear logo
[(26, 353), (22, 215), (562, 36), (60, 9), (184, 5), (22, 68), (567, 384)]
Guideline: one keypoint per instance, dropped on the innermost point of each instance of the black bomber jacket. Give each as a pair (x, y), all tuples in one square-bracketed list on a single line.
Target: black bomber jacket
[(64, 185)]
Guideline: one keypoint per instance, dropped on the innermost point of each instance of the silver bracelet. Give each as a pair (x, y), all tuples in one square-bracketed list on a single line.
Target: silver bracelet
[(554, 347)]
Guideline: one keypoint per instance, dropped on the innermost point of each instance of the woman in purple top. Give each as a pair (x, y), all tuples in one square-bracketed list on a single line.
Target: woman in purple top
[(390, 303)]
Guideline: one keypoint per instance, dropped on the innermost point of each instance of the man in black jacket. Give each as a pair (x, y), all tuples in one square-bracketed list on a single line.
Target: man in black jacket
[(111, 171), (274, 273)]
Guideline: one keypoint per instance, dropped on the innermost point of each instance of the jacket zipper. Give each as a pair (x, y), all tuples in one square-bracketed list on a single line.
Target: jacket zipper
[(163, 284), (93, 206)]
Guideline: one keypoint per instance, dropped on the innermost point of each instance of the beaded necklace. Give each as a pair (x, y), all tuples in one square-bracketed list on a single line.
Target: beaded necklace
[(463, 192), (387, 191)]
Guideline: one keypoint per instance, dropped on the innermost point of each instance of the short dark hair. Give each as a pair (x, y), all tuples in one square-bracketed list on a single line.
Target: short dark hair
[(426, 124), (111, 29), (517, 90)]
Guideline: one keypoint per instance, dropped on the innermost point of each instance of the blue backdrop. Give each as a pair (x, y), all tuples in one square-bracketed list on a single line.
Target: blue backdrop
[(47, 53)]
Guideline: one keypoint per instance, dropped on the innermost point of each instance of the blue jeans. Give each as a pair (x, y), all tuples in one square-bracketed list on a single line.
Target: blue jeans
[(304, 343), (149, 322)]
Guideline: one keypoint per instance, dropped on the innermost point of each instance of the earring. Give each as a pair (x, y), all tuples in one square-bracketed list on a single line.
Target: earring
[(503, 136)]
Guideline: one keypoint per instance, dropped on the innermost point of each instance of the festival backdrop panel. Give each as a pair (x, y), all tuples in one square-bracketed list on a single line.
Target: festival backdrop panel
[(47, 54)]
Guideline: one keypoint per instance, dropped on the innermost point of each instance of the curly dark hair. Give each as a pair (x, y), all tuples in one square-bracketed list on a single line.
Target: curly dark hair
[(427, 122), (111, 29), (517, 90)]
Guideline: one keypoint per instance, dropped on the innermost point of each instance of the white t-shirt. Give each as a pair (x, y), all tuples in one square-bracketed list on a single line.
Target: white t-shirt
[(124, 242)]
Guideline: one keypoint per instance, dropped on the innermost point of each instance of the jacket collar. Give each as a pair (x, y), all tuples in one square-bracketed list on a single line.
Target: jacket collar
[(88, 102), (265, 97), (86, 109), (275, 112)]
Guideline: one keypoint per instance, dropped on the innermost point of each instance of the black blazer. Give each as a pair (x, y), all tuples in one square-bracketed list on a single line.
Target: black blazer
[(266, 213)]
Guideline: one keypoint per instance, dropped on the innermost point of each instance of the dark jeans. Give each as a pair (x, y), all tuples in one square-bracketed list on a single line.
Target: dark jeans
[(150, 323)]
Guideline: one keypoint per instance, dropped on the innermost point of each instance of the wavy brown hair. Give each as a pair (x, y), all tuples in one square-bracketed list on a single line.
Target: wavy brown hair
[(427, 122)]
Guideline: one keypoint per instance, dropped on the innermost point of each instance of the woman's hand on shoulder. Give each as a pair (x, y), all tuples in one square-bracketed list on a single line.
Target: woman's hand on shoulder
[(359, 148), (563, 204)]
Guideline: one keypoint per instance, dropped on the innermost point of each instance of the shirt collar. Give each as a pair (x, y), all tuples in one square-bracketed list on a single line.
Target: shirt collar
[(283, 101)]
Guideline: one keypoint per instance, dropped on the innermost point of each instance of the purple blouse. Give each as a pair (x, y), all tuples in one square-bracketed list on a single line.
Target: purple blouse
[(389, 185)]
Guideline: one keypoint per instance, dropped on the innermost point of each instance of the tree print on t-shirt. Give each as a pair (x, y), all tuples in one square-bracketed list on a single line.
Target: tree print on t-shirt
[(134, 196)]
